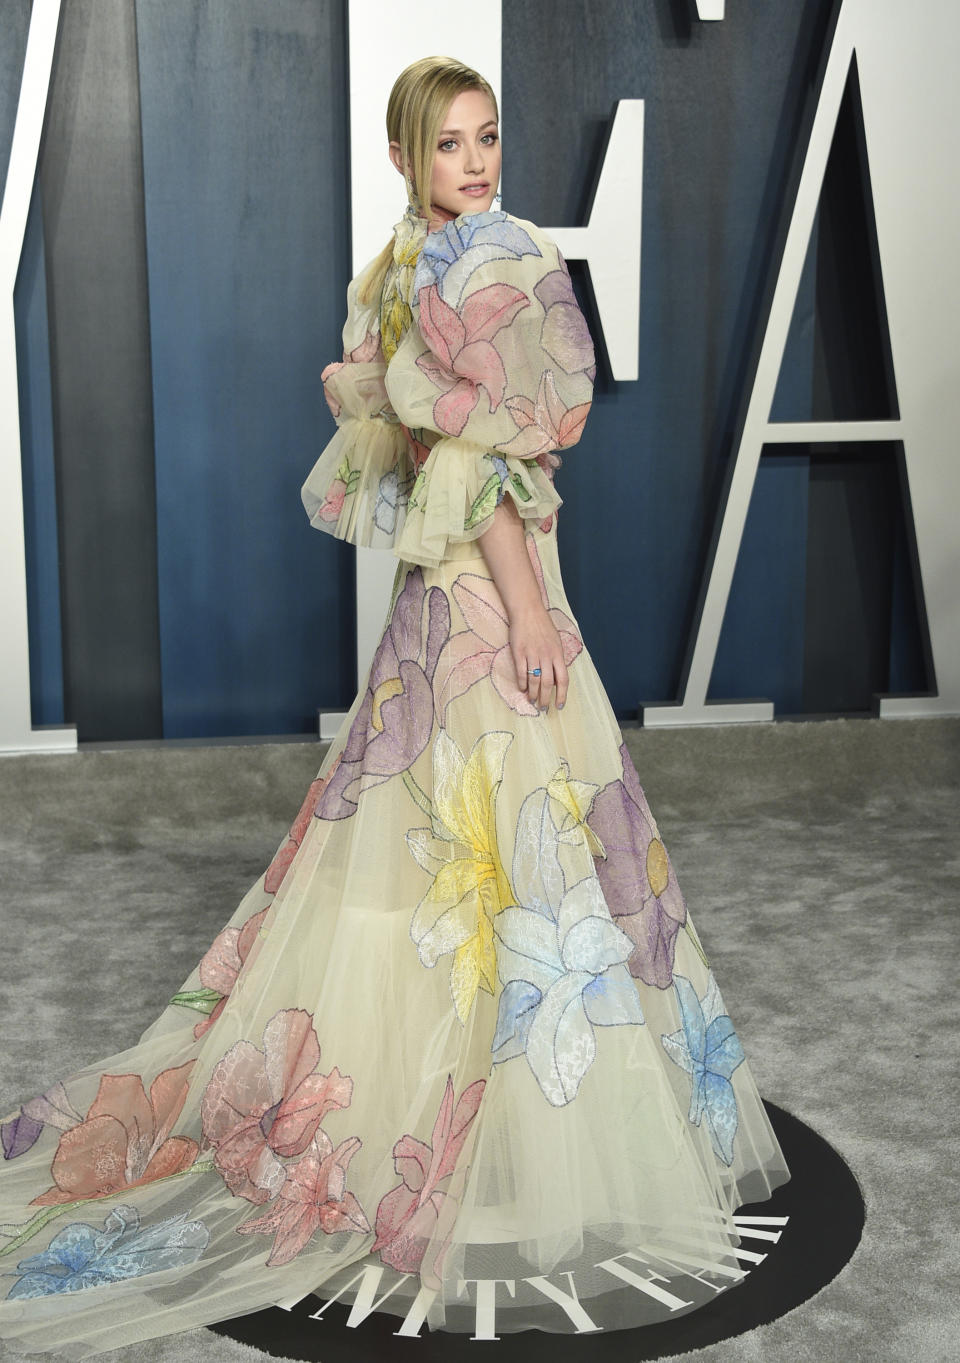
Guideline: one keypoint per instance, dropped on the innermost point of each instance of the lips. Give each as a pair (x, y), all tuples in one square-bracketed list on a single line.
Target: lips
[(477, 184)]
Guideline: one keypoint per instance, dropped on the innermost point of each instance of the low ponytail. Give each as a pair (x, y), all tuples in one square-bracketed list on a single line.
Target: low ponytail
[(371, 283)]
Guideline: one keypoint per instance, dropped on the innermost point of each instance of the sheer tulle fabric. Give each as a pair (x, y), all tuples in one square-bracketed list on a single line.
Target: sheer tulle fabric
[(425, 1029), (459, 488), (458, 384)]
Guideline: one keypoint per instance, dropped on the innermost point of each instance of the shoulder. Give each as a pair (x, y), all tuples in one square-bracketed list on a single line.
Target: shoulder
[(479, 248), (537, 234)]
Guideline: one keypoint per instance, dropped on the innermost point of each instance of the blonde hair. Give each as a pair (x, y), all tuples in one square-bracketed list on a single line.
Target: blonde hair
[(418, 103)]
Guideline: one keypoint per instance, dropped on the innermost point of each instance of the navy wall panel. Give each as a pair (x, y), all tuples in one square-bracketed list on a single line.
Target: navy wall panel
[(723, 105), (90, 174), (40, 518), (194, 256), (761, 654), (849, 577), (245, 155)]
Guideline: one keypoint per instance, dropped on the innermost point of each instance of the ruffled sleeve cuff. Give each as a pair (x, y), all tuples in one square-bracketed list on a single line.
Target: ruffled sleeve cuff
[(358, 487), (457, 492)]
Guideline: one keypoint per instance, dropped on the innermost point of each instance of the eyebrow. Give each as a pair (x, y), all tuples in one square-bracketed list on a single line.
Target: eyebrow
[(445, 132)]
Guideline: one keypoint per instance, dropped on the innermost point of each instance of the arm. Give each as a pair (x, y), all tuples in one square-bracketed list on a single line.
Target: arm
[(498, 362), (347, 491), (534, 641)]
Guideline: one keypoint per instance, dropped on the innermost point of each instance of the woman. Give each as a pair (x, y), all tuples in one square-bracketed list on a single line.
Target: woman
[(462, 1030)]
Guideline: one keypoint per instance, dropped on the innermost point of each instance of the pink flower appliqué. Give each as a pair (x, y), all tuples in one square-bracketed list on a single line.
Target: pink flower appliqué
[(221, 966), (261, 1105), (418, 1212), (546, 424), (365, 353), (333, 502), (281, 863), (464, 357), (419, 452), (483, 649), (124, 1140), (314, 1194)]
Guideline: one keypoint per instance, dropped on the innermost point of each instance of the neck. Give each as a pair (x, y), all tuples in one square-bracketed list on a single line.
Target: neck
[(439, 215)]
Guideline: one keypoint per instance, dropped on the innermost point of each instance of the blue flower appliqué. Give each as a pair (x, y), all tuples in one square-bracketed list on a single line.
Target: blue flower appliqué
[(502, 471), (708, 1048), (82, 1256), (559, 956), (450, 255), (392, 493)]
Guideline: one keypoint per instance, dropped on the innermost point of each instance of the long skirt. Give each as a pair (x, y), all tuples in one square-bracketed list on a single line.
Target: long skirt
[(459, 1054)]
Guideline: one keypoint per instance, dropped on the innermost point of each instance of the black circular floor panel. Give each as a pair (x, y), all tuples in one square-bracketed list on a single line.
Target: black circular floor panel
[(824, 1215)]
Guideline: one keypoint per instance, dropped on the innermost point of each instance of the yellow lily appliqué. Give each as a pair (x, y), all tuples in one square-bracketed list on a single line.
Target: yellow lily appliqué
[(470, 886), (395, 312), (575, 797)]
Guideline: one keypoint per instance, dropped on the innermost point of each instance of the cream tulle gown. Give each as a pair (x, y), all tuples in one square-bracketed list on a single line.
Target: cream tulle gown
[(462, 1029)]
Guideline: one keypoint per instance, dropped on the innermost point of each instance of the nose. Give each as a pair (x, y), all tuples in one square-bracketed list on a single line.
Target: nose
[(475, 161)]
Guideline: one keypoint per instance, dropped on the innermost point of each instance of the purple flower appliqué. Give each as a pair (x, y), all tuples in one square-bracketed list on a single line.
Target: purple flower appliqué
[(395, 720), (637, 879), (565, 335), (53, 1108)]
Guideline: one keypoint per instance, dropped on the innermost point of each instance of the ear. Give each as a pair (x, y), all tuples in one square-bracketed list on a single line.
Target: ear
[(393, 150)]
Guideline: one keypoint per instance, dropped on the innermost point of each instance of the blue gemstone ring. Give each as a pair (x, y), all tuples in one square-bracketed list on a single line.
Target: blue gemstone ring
[(534, 671)]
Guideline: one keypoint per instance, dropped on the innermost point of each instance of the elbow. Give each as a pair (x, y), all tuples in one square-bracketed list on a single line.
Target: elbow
[(570, 427)]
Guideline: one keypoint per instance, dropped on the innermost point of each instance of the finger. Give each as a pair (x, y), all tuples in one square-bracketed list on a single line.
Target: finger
[(520, 664), (546, 684), (561, 678), (534, 677)]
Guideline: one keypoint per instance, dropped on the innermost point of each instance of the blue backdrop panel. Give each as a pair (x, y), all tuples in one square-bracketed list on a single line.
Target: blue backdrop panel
[(761, 653), (39, 477), (245, 146), (92, 194), (850, 555), (723, 106), (793, 398)]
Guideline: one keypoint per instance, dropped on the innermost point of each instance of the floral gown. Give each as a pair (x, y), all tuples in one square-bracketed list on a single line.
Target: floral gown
[(459, 1050)]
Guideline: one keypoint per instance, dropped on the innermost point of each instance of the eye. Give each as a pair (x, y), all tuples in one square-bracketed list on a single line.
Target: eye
[(492, 136), (450, 142)]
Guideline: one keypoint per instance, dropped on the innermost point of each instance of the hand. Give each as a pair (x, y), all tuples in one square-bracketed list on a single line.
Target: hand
[(534, 642)]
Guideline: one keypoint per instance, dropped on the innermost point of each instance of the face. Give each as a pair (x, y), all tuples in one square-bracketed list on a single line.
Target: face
[(466, 167), (466, 164)]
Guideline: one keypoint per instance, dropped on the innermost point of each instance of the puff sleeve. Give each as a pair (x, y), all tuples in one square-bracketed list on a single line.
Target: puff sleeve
[(497, 370), (358, 487)]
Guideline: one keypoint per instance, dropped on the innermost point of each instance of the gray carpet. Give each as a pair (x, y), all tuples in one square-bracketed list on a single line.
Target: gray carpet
[(821, 864)]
